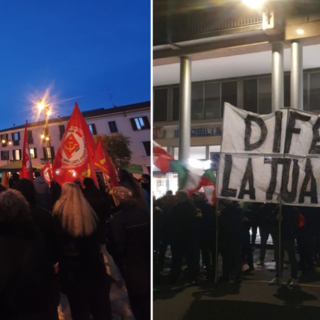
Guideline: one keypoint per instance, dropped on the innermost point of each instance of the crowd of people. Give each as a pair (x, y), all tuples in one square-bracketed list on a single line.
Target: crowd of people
[(75, 240), (197, 233)]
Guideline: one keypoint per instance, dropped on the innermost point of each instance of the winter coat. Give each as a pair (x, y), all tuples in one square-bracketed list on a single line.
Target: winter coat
[(102, 207), (25, 274), (231, 226), (80, 259), (182, 221), (290, 222), (42, 191), (208, 221), (129, 236)]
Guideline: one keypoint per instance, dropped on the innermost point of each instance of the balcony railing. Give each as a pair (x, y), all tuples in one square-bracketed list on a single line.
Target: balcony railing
[(204, 23)]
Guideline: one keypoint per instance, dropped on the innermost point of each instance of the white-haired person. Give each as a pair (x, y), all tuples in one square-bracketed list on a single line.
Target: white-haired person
[(82, 271)]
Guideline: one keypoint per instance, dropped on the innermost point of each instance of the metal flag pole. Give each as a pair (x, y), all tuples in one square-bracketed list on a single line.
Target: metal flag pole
[(281, 204), (217, 247)]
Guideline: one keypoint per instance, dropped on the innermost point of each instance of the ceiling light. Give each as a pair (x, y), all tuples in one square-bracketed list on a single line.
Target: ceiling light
[(254, 4)]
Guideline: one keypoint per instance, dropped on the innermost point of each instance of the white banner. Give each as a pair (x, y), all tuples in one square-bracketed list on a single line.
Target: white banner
[(265, 157)]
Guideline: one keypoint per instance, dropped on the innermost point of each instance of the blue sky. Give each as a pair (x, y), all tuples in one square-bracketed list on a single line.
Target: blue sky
[(95, 52)]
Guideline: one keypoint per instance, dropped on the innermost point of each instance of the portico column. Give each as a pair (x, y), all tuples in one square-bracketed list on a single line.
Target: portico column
[(277, 77), (296, 80), (185, 109)]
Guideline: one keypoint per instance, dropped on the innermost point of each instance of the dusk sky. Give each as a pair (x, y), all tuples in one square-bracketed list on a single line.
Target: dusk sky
[(95, 52)]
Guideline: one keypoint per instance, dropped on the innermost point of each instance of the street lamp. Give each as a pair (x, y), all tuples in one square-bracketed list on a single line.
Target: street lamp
[(45, 135)]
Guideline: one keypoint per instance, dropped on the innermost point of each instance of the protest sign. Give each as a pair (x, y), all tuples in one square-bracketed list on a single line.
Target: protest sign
[(265, 158)]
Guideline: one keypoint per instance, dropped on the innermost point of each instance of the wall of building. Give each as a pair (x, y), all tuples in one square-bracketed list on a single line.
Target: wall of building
[(122, 119)]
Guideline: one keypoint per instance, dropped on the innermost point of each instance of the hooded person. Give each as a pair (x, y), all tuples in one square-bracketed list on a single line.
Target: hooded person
[(129, 236), (42, 189)]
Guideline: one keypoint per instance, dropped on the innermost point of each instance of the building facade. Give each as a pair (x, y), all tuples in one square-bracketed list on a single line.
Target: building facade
[(131, 120), (206, 54)]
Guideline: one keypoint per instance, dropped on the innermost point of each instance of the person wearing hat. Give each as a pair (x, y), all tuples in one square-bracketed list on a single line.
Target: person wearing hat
[(129, 237)]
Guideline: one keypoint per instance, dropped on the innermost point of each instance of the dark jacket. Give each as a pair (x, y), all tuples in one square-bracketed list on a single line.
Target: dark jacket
[(43, 193), (290, 222), (129, 236), (182, 220), (25, 275), (80, 259), (43, 219), (267, 215), (101, 206), (231, 226), (208, 221)]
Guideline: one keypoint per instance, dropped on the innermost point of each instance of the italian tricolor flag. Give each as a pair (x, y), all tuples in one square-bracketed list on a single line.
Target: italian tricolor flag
[(193, 182)]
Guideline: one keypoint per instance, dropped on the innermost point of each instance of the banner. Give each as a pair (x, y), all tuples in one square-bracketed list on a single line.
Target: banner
[(265, 158)]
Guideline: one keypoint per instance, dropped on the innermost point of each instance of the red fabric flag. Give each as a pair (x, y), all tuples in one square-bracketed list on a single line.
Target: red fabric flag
[(74, 159), (5, 180), (103, 162), (163, 158), (26, 171), (46, 172)]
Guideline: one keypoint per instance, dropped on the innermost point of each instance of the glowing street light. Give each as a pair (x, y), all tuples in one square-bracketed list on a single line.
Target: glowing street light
[(254, 4), (41, 105)]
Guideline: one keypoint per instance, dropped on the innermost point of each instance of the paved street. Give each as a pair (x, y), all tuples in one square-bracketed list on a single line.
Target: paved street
[(253, 299)]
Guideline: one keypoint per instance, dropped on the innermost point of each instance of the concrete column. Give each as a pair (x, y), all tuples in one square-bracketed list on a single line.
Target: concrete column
[(185, 109), (277, 77), (296, 80)]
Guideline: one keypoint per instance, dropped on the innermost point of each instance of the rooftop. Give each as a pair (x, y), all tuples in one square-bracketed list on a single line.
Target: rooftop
[(88, 114)]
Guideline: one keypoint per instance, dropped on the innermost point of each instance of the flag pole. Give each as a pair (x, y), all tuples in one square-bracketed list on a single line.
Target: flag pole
[(216, 244)]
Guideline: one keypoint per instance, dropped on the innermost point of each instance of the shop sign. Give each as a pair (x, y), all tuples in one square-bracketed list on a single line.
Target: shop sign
[(201, 132)]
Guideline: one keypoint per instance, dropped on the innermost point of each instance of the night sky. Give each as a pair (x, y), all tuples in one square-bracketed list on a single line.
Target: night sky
[(95, 52)]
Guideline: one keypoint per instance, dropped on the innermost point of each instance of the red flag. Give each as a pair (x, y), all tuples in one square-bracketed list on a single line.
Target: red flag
[(46, 172), (26, 171), (163, 158), (5, 180), (74, 159), (103, 162)]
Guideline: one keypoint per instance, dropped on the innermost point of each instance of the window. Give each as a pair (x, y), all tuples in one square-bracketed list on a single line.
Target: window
[(16, 138), (265, 103), (5, 155), (160, 104), (287, 90), (92, 128), (141, 123), (48, 153), (212, 100), (147, 147), (30, 137), (113, 126), (228, 94), (197, 102), (250, 95), (61, 131), (33, 153), (4, 140), (175, 103), (314, 91), (16, 154)]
